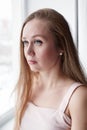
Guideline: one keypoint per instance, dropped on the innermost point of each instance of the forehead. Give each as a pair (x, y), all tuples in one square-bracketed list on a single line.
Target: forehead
[(35, 26)]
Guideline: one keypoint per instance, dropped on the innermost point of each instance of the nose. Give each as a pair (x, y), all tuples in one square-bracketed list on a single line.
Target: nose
[(30, 50)]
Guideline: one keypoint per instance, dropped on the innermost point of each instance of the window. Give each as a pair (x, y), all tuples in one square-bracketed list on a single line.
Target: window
[(11, 17)]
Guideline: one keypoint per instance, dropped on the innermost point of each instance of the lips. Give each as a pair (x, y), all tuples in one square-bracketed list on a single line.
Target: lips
[(31, 62)]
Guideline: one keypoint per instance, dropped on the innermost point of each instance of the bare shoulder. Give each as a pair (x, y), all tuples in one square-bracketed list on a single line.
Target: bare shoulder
[(78, 108), (79, 97)]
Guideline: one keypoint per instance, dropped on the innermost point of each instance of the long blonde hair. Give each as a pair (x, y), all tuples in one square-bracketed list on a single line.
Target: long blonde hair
[(71, 67)]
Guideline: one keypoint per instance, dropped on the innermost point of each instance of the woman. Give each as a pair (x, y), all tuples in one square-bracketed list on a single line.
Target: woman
[(52, 88)]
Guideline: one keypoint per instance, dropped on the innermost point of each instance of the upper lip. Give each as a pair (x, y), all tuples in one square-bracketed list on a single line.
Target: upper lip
[(31, 61)]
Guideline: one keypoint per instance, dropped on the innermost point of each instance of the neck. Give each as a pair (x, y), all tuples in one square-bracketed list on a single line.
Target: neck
[(49, 79)]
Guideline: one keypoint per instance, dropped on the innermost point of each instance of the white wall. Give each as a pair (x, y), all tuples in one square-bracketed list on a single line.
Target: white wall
[(82, 25)]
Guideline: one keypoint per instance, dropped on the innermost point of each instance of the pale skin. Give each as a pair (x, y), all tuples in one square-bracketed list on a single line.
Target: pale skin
[(51, 84)]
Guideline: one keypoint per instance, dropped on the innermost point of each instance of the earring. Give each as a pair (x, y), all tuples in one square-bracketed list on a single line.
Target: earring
[(61, 54)]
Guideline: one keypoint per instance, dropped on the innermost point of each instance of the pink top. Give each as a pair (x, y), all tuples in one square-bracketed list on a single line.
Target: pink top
[(40, 118)]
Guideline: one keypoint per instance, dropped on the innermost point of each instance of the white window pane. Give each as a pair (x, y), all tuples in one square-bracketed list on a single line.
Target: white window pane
[(10, 24)]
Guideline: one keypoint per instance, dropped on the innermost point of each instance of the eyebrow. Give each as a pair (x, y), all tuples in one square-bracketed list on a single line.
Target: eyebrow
[(37, 35)]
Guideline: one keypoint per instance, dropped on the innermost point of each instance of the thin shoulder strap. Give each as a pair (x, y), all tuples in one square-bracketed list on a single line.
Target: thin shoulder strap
[(68, 95)]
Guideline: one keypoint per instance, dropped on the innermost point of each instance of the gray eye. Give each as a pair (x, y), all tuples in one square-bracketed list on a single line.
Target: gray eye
[(38, 42)]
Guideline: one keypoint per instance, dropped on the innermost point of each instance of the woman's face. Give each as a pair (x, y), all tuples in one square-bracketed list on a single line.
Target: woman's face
[(39, 47)]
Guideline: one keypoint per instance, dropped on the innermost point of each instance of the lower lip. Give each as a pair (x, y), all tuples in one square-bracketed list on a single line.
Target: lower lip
[(32, 62)]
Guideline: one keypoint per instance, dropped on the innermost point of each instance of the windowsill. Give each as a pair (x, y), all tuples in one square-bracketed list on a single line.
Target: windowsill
[(6, 117), (7, 102), (6, 105)]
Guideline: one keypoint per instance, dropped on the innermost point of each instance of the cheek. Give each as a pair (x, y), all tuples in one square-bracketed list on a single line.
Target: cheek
[(48, 55), (43, 54)]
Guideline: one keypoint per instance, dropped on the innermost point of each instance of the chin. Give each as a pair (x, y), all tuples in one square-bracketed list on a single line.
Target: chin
[(34, 70)]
